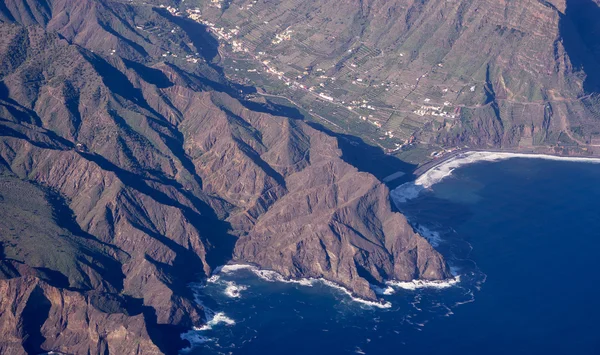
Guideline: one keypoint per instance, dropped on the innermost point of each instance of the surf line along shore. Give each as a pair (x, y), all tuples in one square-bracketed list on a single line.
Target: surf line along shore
[(430, 164), (432, 173)]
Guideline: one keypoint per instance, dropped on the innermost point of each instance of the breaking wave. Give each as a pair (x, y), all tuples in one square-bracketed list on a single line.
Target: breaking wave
[(383, 291), (411, 190), (195, 336), (273, 276), (213, 279), (233, 290), (356, 299), (216, 319), (417, 284), (225, 269), (434, 238)]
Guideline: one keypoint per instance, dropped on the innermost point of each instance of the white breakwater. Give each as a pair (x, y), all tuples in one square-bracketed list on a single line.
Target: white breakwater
[(411, 190), (272, 276)]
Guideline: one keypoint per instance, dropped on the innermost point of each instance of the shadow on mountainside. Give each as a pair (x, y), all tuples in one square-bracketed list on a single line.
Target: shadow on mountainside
[(35, 313), (368, 158), (167, 337), (355, 151), (203, 218), (206, 45), (580, 30)]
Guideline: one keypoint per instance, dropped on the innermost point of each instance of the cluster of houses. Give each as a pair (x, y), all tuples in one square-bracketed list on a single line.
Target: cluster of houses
[(172, 10), (216, 3), (221, 32), (283, 36), (432, 110), (229, 36), (440, 153)]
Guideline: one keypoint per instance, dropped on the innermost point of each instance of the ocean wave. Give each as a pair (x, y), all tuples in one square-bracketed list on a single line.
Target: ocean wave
[(356, 299), (273, 276), (195, 338), (213, 279), (434, 238), (417, 284), (217, 318), (233, 290), (383, 291), (411, 190), (225, 269), (267, 275)]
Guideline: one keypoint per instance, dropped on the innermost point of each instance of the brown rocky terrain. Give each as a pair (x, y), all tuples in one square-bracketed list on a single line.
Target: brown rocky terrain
[(132, 167), (427, 74)]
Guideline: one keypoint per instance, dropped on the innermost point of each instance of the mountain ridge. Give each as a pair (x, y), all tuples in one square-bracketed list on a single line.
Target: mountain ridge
[(159, 158)]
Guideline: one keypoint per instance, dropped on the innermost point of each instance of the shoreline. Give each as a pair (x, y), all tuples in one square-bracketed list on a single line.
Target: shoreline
[(431, 174), (433, 163), (273, 276), (196, 336)]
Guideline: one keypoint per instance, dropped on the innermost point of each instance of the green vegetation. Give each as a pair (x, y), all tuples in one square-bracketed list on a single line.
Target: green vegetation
[(37, 230)]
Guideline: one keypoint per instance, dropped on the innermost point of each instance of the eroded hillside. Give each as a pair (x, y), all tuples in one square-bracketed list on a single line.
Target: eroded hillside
[(145, 168), (424, 75)]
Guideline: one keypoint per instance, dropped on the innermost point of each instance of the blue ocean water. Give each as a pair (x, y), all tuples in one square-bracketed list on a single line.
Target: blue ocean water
[(524, 236)]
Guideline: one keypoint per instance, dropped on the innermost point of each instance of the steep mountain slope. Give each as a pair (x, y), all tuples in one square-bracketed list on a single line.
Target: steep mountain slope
[(503, 74), (141, 162)]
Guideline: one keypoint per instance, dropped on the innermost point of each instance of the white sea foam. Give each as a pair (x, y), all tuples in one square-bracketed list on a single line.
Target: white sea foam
[(213, 278), (417, 284), (225, 269), (356, 299), (389, 291), (434, 238), (273, 276), (411, 190), (195, 339), (407, 191), (383, 291), (217, 318), (195, 336), (267, 275), (233, 290)]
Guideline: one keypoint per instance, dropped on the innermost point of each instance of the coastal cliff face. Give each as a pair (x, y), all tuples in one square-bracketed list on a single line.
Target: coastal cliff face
[(131, 164), (38, 316), (318, 216), (131, 167)]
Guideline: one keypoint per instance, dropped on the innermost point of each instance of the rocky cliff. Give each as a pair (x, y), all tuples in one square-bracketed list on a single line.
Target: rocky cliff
[(128, 159)]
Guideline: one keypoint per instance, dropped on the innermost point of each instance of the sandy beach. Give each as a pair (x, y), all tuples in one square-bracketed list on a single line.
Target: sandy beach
[(431, 173)]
